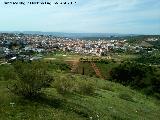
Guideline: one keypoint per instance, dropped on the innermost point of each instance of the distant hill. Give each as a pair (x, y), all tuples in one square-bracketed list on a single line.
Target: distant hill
[(145, 44), (89, 36), (74, 35)]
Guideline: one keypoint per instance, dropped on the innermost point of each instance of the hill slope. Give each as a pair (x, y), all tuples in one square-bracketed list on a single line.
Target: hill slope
[(111, 101)]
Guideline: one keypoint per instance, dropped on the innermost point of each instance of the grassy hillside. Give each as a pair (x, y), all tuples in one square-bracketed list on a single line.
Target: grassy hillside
[(109, 101)]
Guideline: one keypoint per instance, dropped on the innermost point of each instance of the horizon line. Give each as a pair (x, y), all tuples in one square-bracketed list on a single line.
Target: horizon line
[(79, 32)]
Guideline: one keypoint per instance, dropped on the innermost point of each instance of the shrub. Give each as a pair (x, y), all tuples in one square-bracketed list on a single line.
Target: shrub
[(108, 87), (58, 66), (31, 78), (64, 85), (69, 84), (7, 73), (126, 96), (86, 87)]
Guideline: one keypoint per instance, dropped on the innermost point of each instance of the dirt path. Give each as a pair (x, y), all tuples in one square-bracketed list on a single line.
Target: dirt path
[(96, 69)]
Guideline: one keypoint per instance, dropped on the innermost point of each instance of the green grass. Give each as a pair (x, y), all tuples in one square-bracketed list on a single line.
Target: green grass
[(7, 72), (62, 56), (25, 109), (111, 101)]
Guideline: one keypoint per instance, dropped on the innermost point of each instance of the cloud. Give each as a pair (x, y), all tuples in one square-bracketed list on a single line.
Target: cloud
[(125, 16)]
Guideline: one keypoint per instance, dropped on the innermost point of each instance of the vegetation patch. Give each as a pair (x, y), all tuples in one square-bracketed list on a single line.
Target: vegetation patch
[(32, 77), (7, 72), (126, 96), (70, 84), (138, 76)]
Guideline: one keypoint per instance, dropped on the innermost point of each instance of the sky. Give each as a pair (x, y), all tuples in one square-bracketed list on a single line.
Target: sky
[(85, 16)]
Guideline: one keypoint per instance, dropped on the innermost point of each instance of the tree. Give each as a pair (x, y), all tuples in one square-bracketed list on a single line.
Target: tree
[(138, 76), (133, 74)]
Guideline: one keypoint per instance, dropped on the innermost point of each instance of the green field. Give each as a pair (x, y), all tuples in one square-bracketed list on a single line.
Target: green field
[(106, 100)]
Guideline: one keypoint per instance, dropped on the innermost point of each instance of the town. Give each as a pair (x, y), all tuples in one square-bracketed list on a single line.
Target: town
[(21, 46)]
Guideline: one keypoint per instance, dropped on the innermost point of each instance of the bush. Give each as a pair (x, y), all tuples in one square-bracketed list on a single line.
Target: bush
[(31, 78), (7, 72), (108, 87), (69, 84), (126, 96), (64, 85), (86, 87), (133, 74), (58, 66)]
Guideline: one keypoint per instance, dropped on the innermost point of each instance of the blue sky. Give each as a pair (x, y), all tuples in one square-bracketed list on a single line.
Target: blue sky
[(98, 16)]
